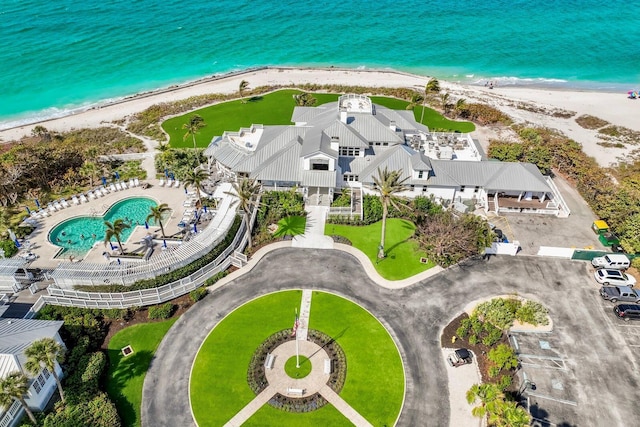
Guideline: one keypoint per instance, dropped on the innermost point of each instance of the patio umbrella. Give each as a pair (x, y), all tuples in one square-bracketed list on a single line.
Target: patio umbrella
[(104, 181), (164, 243), (17, 243), (119, 262), (195, 229), (28, 210), (205, 208), (172, 176), (166, 173), (37, 203), (112, 247), (146, 225), (117, 175)]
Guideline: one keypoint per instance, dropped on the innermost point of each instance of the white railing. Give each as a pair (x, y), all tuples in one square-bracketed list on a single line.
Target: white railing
[(564, 210), (144, 297)]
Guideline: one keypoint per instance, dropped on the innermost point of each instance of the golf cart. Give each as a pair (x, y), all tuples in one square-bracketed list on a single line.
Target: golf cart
[(460, 357)]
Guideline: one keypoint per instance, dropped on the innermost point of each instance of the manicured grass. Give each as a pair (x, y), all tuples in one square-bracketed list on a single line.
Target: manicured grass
[(432, 118), (403, 253), (302, 371), (218, 386), (276, 109), (125, 376), (268, 416), (291, 226), (374, 384)]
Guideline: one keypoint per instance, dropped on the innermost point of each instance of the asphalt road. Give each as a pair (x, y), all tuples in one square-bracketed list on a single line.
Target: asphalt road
[(585, 333)]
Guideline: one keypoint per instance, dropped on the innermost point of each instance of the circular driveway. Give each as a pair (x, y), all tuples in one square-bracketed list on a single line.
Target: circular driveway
[(414, 316)]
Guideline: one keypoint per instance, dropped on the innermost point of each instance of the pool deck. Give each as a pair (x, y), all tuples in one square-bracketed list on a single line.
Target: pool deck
[(46, 251)]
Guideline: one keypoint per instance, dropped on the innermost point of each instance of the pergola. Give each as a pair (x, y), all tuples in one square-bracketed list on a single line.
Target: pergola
[(8, 269)]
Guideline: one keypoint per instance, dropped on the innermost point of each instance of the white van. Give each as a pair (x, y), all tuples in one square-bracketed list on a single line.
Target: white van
[(615, 261)]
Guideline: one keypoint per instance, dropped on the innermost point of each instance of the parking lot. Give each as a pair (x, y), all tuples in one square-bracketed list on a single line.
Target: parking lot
[(533, 231)]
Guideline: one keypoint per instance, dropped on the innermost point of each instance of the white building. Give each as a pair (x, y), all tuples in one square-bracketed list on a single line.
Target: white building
[(15, 336), (342, 145)]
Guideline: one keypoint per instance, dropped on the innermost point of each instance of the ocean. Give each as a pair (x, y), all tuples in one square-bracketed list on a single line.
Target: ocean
[(64, 55)]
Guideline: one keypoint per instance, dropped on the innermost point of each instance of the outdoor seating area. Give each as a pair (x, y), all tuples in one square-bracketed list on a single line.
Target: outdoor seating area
[(78, 199)]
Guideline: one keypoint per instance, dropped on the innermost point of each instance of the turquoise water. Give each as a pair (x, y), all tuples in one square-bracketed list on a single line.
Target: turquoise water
[(58, 56), (77, 235)]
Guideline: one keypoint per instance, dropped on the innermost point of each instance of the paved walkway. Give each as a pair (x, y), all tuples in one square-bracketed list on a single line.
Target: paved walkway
[(313, 236), (305, 312), (344, 408)]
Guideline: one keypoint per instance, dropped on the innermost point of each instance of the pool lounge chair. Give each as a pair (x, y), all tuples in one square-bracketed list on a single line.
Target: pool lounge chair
[(131, 185), (124, 185), (169, 182), (103, 191), (51, 208), (75, 200), (136, 182), (64, 203), (177, 183), (43, 213), (91, 195), (161, 183), (84, 199), (113, 188), (118, 186)]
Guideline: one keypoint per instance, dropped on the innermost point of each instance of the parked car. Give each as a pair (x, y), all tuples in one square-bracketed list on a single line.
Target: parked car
[(627, 312), (611, 261), (460, 357), (620, 293), (606, 276)]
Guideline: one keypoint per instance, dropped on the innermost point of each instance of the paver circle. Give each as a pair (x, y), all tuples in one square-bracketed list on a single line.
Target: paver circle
[(312, 383)]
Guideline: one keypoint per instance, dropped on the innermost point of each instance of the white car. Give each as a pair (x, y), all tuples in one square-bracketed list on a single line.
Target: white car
[(608, 276)]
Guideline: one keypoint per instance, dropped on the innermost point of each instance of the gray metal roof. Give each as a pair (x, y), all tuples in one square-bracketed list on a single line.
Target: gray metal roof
[(285, 165), (394, 158), (270, 145), (372, 129), (420, 162), (307, 114), (18, 334), (503, 176), (346, 136), (404, 119), (353, 165), (319, 178)]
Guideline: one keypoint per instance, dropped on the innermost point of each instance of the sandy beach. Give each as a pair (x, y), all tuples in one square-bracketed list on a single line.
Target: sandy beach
[(615, 108)]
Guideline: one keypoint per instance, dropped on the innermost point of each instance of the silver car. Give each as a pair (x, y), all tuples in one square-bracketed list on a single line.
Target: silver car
[(608, 276)]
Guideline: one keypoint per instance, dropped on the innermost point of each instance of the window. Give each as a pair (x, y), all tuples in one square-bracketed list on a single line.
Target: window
[(424, 189), (420, 173), (475, 190), (41, 379), (37, 387), (349, 151), (320, 167), (46, 373), (349, 177), (462, 189)]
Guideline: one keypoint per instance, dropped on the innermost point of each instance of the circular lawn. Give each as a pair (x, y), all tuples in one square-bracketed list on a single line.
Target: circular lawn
[(374, 384)]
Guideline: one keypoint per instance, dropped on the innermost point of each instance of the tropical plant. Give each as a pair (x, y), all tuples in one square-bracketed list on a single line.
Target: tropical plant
[(304, 99), (460, 106), (115, 229), (45, 353), (416, 99), (387, 184), (15, 387), (192, 127), (246, 191), (444, 100), (195, 178), (432, 87), (503, 357), (156, 213), (489, 396), (241, 87), (89, 170)]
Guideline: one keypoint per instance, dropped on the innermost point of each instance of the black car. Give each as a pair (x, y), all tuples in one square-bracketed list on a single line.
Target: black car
[(627, 312), (460, 357)]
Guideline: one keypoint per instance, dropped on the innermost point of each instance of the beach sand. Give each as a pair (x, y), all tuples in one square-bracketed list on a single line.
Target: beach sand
[(613, 107)]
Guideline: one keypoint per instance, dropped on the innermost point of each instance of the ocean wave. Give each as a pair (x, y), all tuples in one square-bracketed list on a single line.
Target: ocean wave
[(518, 81)]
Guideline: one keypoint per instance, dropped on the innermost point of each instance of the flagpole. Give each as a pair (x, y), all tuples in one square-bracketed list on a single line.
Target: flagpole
[(297, 352)]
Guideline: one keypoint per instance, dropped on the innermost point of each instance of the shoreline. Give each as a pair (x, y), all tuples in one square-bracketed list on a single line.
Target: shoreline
[(470, 81), (523, 104)]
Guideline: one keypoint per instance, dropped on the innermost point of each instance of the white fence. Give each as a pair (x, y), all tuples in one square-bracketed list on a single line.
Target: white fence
[(564, 208), (103, 300)]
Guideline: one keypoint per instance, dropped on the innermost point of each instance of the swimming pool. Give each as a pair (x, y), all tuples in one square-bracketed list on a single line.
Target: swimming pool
[(77, 235)]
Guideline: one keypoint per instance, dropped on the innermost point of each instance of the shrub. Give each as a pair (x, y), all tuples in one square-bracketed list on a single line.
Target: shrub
[(465, 327), (9, 247), (97, 412), (163, 311), (492, 334), (533, 313), (197, 294), (500, 312), (343, 200), (211, 280), (503, 357)]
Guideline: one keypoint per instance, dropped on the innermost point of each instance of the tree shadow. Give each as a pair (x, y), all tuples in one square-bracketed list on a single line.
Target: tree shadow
[(255, 99), (292, 226), (123, 370)]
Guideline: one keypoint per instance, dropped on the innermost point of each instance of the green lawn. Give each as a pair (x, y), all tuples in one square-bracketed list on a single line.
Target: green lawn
[(375, 378), (403, 253), (374, 383), (276, 109), (126, 374), (291, 226), (294, 372), (218, 383)]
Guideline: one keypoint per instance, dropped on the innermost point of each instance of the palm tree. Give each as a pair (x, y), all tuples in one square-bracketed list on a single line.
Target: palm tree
[(489, 396), (513, 416), (89, 170), (115, 229), (241, 87), (387, 184), (156, 215), (14, 387), (432, 87), (246, 190), (416, 99), (195, 178), (304, 99), (444, 99), (45, 353), (192, 127), (460, 106)]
